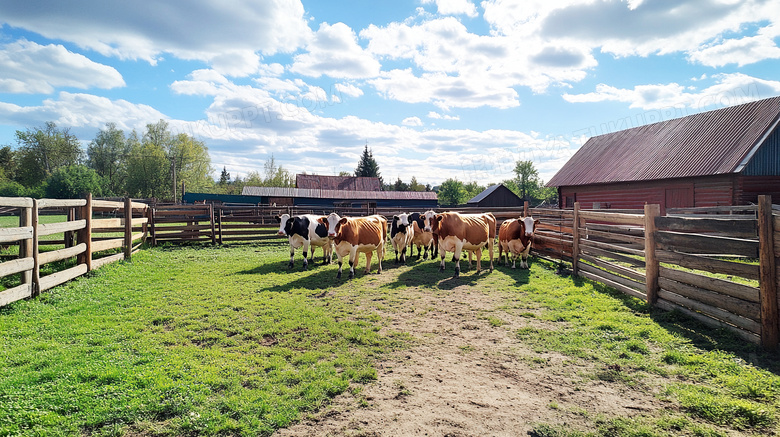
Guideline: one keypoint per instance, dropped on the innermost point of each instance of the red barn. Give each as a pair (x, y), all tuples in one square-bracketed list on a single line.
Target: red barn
[(723, 157)]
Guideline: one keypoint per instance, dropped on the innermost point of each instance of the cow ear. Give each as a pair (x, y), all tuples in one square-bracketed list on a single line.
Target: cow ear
[(343, 220), (438, 217), (536, 222), (278, 218), (395, 217)]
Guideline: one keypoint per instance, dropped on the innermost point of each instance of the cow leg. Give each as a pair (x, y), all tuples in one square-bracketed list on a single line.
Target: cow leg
[(352, 261), (340, 263), (500, 254), (292, 254), (380, 255), (305, 255), (478, 256), (369, 255), (514, 261), (490, 252), (456, 256)]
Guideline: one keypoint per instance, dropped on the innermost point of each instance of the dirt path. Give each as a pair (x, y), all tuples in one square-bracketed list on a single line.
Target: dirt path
[(467, 376)]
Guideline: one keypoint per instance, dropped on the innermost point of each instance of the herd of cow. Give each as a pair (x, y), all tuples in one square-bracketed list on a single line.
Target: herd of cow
[(437, 233)]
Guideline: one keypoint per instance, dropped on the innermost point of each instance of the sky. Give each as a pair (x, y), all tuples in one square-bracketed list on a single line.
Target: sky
[(437, 89)]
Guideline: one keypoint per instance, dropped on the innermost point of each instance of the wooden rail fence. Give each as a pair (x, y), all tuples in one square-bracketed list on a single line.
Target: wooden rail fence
[(717, 265), (95, 239)]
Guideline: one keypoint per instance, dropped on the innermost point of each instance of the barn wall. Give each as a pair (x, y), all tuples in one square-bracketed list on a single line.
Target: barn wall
[(703, 191), (501, 196), (749, 187)]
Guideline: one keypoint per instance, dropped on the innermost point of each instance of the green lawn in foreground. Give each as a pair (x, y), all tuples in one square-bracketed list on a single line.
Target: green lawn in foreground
[(192, 340), (227, 341)]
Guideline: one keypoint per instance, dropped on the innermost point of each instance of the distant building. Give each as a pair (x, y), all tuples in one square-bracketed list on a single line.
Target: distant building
[(723, 157), (496, 196), (351, 183)]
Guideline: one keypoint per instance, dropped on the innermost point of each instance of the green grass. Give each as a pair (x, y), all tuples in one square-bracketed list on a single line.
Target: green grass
[(227, 341), (195, 340)]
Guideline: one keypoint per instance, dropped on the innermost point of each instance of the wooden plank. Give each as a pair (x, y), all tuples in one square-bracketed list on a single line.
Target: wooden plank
[(555, 228), (729, 288), (137, 236), (59, 203), (706, 244), (609, 217), (715, 313), (770, 321), (623, 238), (57, 255), (16, 293), (26, 246), (16, 266), (56, 228), (709, 321), (727, 226), (713, 209), (101, 245), (619, 287), (611, 247), (621, 270), (612, 255), (739, 307), (711, 265), (252, 238), (107, 223), (58, 278), (638, 286), (16, 202), (9, 235), (107, 204), (99, 262)]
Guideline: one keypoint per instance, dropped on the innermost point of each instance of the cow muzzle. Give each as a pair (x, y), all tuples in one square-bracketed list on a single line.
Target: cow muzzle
[(281, 233)]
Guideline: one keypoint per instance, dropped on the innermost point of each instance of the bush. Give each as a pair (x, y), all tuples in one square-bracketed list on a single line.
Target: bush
[(74, 181)]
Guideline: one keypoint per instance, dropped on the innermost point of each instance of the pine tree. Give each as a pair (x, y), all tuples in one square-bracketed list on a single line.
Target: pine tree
[(224, 178), (367, 166)]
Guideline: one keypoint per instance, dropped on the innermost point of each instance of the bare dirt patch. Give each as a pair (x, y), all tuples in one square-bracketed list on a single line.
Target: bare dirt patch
[(469, 375)]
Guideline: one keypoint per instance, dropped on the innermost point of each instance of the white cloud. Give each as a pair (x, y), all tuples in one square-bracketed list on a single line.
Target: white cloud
[(437, 116), (334, 52), (454, 7), (743, 51), (349, 89), (79, 111), (412, 121), (729, 89), (146, 30), (31, 68)]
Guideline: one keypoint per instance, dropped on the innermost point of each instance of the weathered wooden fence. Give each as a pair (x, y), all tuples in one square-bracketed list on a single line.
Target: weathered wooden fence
[(81, 237), (718, 265)]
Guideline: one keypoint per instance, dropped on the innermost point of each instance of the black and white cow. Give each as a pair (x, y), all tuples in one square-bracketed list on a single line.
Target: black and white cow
[(306, 231), (401, 235), (421, 238)]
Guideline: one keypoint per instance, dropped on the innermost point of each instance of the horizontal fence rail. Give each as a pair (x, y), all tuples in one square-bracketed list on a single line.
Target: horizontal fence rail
[(718, 265)]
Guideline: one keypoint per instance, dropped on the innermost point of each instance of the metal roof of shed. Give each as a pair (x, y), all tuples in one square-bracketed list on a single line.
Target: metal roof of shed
[(709, 143)]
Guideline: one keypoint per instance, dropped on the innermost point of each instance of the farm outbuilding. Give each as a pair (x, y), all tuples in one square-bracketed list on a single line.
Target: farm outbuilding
[(724, 157), (351, 183), (342, 198), (496, 196)]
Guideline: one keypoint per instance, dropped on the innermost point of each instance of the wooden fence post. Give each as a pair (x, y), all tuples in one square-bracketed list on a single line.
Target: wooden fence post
[(651, 262), (128, 229), (575, 250), (36, 272), (152, 230), (85, 235), (525, 209), (26, 246), (767, 285), (211, 218), (219, 223)]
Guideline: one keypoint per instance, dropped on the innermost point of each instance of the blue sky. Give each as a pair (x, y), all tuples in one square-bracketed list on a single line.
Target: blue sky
[(436, 88)]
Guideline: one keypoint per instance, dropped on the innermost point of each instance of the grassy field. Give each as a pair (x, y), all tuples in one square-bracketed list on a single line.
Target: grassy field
[(226, 341)]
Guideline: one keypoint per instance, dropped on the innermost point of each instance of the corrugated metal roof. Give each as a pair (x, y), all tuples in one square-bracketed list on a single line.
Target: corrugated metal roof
[(337, 194), (320, 182), (482, 195), (709, 143)]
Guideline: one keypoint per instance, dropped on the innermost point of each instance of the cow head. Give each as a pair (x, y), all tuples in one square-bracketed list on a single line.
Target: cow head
[(282, 219), (401, 222), (529, 225), (332, 223), (428, 220)]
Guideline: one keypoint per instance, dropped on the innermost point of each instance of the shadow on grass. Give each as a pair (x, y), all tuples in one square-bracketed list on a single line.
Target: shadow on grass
[(700, 335)]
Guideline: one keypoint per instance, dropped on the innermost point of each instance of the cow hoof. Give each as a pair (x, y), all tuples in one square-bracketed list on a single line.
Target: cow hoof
[(289, 266), (338, 276), (351, 275)]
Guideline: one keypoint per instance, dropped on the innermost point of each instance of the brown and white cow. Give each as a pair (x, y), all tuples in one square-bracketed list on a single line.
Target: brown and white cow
[(487, 217), (515, 237), (421, 238), (457, 232), (354, 235)]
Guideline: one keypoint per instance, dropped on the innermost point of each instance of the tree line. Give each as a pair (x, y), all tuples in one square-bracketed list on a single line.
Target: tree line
[(49, 161)]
